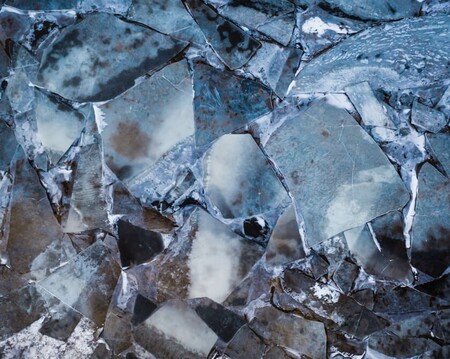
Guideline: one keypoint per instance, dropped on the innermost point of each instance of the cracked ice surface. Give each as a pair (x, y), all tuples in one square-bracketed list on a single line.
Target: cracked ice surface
[(258, 179)]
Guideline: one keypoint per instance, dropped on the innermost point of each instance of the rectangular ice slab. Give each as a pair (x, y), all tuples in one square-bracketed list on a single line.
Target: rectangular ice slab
[(337, 174)]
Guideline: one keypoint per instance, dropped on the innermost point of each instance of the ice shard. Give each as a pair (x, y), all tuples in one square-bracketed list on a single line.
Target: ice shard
[(175, 330), (82, 66), (431, 228), (86, 283), (215, 243), (33, 229), (275, 66), (8, 147), (232, 44), (427, 119), (54, 116), (394, 56), (224, 102), (236, 170), (338, 176), (167, 16), (440, 143), (274, 18), (285, 244), (147, 120), (377, 9)]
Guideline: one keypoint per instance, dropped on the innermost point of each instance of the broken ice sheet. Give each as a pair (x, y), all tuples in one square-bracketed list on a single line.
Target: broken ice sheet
[(34, 232), (219, 259), (239, 179), (379, 247), (8, 145), (175, 330), (431, 228), (304, 336), (285, 244), (167, 16), (148, 120), (232, 44), (426, 118), (85, 283), (82, 66), (377, 9), (54, 116), (88, 207), (336, 173), (393, 56), (327, 302), (275, 66), (224, 102), (273, 18), (372, 112), (440, 143), (320, 30)]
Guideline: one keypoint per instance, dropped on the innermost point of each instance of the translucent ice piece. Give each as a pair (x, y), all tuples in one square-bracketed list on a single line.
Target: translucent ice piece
[(167, 16), (372, 112), (378, 9), (274, 18), (84, 66), (440, 144), (327, 302), (148, 120), (427, 118), (431, 228), (245, 344), (275, 66), (43, 5), (224, 102), (4, 63), (219, 259), (304, 336), (337, 174), (86, 283), (232, 44), (33, 228), (53, 116), (285, 243), (8, 145), (240, 181), (88, 200), (175, 330), (394, 56)]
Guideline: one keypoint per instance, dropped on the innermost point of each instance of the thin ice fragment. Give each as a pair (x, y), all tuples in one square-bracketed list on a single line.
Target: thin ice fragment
[(82, 66), (148, 120), (54, 116), (137, 245), (274, 18), (88, 208), (275, 66), (8, 145), (86, 283), (440, 143), (143, 308), (221, 320), (378, 9), (372, 112), (245, 344), (285, 243), (240, 181), (167, 16), (62, 323), (34, 232), (224, 102), (431, 228), (175, 330), (397, 55), (426, 118), (232, 44), (215, 243), (290, 331), (43, 5), (337, 174)]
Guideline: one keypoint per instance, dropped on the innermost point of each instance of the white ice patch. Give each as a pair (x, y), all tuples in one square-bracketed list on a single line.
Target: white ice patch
[(316, 25), (326, 294)]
